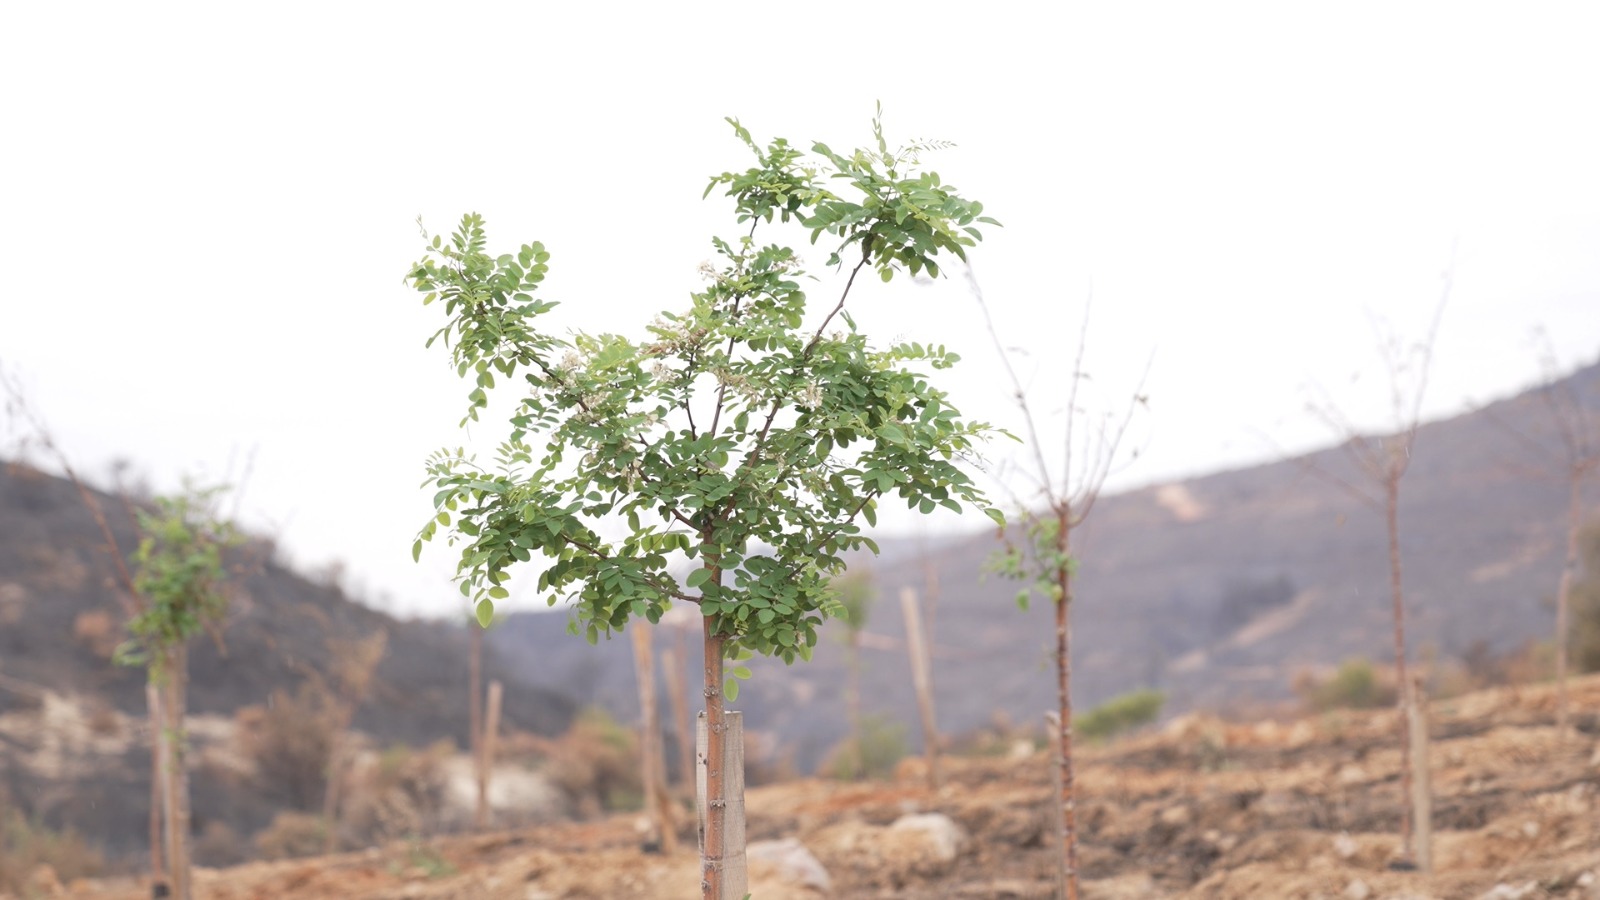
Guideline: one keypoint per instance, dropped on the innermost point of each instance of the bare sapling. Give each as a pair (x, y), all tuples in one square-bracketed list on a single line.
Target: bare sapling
[(1381, 462), (1575, 459), (1062, 499)]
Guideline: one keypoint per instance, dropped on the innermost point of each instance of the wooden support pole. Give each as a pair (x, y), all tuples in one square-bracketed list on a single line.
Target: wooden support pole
[(652, 765), (735, 878), (922, 680), (1421, 784), (158, 873), (486, 750), (673, 658)]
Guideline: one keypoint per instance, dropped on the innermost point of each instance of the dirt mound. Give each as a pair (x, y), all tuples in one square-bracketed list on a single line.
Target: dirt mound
[(1201, 809)]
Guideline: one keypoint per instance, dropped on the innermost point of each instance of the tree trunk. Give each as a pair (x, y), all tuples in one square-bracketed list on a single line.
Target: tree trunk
[(718, 879), (922, 680), (480, 814), (176, 775), (1402, 680), (1069, 818), (158, 751), (1563, 597)]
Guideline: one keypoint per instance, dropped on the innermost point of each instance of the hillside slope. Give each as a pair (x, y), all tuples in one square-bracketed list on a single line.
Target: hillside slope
[(1216, 590), (60, 621)]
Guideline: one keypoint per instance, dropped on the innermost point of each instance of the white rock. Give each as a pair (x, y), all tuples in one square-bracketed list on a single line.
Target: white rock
[(795, 863), (1357, 890), (945, 837), (1345, 846)]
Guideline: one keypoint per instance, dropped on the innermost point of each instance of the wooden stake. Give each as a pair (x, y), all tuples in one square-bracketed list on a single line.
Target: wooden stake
[(922, 679), (673, 657), (731, 862), (1421, 784), (652, 768), (486, 749), (158, 753)]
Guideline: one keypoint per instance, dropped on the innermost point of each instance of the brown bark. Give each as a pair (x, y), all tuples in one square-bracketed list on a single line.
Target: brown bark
[(1069, 818), (712, 840), (1392, 517), (176, 775)]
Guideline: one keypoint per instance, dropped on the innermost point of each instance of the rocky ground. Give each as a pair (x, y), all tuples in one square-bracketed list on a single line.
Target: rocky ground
[(1200, 809)]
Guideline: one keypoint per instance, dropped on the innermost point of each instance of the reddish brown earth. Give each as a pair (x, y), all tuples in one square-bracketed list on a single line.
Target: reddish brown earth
[(1202, 809)]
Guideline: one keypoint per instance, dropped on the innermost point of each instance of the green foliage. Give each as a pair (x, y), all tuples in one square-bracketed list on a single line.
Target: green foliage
[(179, 574), (1123, 712), (882, 746), (1038, 560), (731, 433), (1354, 686)]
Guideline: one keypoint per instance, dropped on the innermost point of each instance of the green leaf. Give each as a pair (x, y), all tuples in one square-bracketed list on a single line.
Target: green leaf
[(995, 514), (741, 672), (730, 689), (485, 613), (416, 551), (698, 577)]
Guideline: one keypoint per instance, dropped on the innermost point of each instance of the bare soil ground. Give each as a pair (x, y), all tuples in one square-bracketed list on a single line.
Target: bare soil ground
[(1201, 809)]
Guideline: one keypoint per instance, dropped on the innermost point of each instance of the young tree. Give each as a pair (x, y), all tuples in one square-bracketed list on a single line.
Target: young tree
[(735, 433), (1580, 448), (1044, 558), (179, 572), (1382, 461)]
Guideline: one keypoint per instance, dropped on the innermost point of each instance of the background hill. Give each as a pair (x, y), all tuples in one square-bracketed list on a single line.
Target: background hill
[(60, 622), (1217, 590)]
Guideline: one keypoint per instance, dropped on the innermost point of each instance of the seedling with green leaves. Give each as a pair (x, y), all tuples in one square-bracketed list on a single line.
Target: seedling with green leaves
[(735, 434)]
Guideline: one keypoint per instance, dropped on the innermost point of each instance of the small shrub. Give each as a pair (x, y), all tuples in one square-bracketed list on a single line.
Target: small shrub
[(290, 740), (292, 834), (596, 765), (27, 846), (219, 846), (400, 794), (1355, 685), (1119, 714), (883, 744)]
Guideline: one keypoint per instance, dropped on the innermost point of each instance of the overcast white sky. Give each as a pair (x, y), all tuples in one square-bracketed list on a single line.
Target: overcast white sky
[(205, 212)]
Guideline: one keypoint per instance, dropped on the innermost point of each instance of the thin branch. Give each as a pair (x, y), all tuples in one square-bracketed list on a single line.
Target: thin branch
[(1019, 395)]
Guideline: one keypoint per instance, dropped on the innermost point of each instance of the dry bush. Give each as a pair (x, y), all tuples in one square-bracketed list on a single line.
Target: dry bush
[(883, 744), (1357, 684), (98, 631), (290, 740), (400, 793), (291, 834), (596, 765), (26, 848), (219, 845)]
